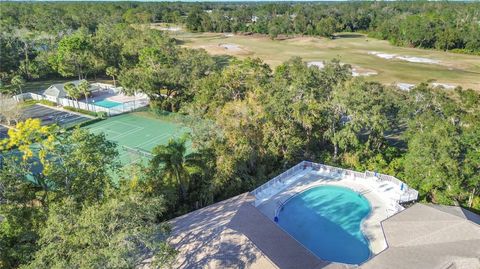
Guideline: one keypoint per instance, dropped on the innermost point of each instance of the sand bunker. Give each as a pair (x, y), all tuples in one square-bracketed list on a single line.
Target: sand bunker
[(418, 60), (382, 55), (172, 29), (318, 64), (228, 35), (356, 70), (404, 58), (444, 85), (405, 86), (231, 47)]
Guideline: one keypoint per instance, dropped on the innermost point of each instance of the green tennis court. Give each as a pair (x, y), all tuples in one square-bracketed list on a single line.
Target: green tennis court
[(137, 134)]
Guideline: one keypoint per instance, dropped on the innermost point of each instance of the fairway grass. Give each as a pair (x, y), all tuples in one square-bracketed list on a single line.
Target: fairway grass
[(355, 49), (138, 131)]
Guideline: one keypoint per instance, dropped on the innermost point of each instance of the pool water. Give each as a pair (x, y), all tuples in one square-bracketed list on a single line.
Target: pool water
[(106, 103), (327, 220)]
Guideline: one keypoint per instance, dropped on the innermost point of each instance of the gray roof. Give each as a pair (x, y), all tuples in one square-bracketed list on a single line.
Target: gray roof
[(235, 234), (430, 236), (58, 90)]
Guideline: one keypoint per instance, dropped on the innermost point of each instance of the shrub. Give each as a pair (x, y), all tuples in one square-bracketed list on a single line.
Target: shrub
[(47, 103), (79, 110), (102, 114), (29, 102)]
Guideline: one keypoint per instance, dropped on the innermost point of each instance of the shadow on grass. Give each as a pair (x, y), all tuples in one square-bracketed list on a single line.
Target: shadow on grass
[(349, 35), (221, 61)]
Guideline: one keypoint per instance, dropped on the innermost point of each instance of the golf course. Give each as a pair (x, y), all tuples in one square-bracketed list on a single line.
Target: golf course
[(375, 59)]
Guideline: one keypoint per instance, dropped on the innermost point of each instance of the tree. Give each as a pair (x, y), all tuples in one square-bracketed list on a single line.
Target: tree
[(175, 165), (30, 138), (22, 211), (326, 27), (72, 91), (24, 192), (471, 164), (87, 164), (84, 89), (113, 72), (115, 234), (10, 110), (230, 84), (42, 168), (74, 55), (165, 73), (432, 161), (18, 82)]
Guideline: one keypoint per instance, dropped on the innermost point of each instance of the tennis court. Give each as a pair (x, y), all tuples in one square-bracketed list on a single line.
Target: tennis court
[(50, 116), (137, 134)]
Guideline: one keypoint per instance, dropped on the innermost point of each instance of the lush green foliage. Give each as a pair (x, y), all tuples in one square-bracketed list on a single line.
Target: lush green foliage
[(61, 208), (59, 204), (83, 39)]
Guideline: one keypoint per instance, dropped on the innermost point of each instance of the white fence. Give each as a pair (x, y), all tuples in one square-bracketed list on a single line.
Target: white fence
[(287, 174), (407, 196), (121, 108)]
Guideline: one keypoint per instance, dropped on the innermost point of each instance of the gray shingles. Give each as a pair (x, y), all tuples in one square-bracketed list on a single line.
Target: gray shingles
[(424, 236)]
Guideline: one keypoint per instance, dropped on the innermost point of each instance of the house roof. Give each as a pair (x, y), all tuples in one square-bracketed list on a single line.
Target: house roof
[(58, 90), (430, 236), (235, 234)]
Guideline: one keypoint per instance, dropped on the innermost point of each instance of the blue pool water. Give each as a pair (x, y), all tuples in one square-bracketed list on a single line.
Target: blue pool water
[(327, 220), (106, 103)]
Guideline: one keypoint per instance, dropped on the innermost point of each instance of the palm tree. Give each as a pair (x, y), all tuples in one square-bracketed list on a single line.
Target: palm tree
[(113, 72), (72, 91), (176, 166), (84, 88)]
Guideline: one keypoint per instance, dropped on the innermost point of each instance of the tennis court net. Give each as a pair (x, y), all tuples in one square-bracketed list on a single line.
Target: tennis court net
[(137, 151)]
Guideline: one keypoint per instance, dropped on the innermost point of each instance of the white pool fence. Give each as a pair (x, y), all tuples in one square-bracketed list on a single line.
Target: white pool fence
[(408, 194), (124, 107)]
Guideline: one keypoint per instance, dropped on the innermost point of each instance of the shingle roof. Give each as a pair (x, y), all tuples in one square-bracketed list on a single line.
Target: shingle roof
[(430, 236)]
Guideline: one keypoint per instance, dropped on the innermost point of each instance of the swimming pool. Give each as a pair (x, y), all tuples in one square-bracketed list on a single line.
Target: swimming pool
[(106, 103), (327, 220)]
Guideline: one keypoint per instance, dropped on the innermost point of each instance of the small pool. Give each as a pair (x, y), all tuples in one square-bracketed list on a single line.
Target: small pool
[(106, 103), (327, 220)]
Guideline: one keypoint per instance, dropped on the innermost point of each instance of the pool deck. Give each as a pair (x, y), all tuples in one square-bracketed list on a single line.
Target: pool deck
[(371, 226)]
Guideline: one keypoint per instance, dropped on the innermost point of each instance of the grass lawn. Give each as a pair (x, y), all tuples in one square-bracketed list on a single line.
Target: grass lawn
[(452, 69)]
